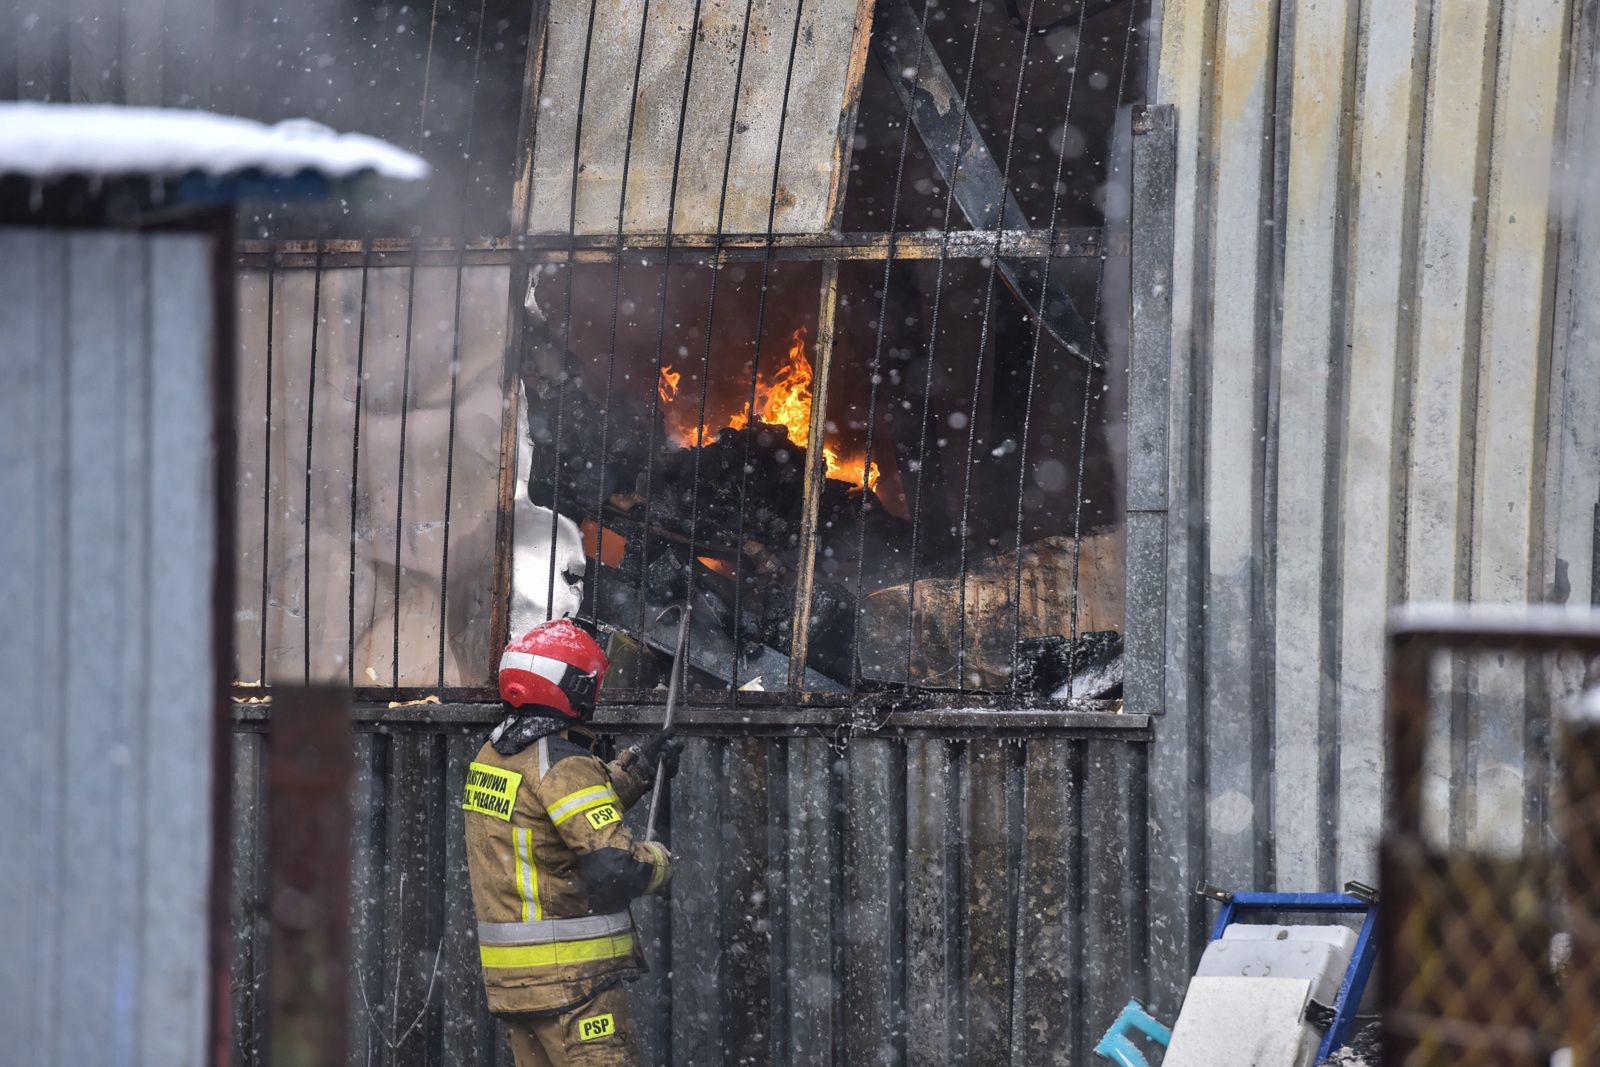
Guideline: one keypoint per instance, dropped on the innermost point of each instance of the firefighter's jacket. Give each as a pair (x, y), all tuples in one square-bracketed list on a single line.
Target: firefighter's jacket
[(553, 870)]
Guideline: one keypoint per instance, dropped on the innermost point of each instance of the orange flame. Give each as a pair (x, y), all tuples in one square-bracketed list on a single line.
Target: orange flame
[(785, 400), (667, 387)]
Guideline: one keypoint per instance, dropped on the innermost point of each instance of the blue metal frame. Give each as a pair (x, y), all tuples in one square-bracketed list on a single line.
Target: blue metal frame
[(1119, 1048), (1361, 960)]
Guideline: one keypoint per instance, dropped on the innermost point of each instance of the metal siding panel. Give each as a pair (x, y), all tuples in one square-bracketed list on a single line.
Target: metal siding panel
[(871, 872), (813, 872), (1237, 816), (826, 54), (1048, 973), (400, 1019), (469, 1032), (986, 908), (175, 982), (1149, 399), (250, 932), (369, 816), (128, 461), (98, 267), (1312, 347), (1177, 816), (93, 46), (1512, 384), (933, 965), (143, 27), (1451, 223), (698, 993), (650, 998), (31, 459), (1111, 911), (748, 964), (1572, 491), (1369, 563)]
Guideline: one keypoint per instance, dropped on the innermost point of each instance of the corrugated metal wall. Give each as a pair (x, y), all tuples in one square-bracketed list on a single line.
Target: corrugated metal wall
[(838, 899), (1370, 344), (107, 549)]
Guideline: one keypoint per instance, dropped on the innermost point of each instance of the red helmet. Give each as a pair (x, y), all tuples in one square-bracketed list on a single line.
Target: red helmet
[(554, 665)]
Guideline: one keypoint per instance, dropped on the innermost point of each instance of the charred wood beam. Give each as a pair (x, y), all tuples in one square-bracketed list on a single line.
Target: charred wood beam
[(958, 150), (1014, 244)]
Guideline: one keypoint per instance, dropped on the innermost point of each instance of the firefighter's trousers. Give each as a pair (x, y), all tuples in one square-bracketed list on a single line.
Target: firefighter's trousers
[(597, 1033)]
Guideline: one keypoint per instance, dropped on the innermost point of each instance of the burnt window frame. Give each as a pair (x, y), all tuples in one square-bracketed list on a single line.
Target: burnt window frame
[(1035, 246)]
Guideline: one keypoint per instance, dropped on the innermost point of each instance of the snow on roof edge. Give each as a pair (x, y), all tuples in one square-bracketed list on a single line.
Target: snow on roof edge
[(44, 141)]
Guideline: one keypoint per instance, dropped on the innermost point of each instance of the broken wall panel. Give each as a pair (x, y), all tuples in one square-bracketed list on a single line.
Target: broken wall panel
[(592, 49)]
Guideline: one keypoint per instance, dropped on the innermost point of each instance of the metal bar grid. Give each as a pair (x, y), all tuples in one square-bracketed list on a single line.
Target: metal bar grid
[(525, 254)]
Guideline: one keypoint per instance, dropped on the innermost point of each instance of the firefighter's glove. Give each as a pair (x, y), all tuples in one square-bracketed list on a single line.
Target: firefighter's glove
[(660, 753)]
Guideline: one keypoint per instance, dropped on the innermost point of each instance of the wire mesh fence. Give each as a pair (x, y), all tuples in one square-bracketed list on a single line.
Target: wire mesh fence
[(1489, 928)]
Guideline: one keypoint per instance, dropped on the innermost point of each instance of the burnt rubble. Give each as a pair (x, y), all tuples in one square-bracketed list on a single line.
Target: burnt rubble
[(678, 506)]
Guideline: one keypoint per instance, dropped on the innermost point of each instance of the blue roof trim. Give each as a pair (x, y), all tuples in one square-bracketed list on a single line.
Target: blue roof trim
[(200, 188)]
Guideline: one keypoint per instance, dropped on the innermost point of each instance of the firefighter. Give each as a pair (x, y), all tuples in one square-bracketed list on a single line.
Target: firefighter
[(553, 867)]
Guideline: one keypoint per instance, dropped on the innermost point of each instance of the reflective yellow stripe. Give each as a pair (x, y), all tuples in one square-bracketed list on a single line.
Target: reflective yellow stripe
[(573, 803), (527, 876), (557, 952)]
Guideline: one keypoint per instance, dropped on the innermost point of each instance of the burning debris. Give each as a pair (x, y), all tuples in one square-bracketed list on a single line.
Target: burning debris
[(661, 497)]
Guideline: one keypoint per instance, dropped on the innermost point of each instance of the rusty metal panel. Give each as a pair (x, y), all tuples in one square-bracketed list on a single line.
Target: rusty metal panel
[(308, 817), (828, 50)]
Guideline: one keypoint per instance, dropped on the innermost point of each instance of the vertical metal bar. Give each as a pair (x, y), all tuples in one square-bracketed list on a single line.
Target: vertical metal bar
[(355, 465), (711, 316), (311, 408), (400, 462), (983, 341), (309, 774), (616, 300), (224, 435), (933, 342), (822, 362), (815, 473), (566, 326), (266, 471), (661, 312), (455, 347)]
